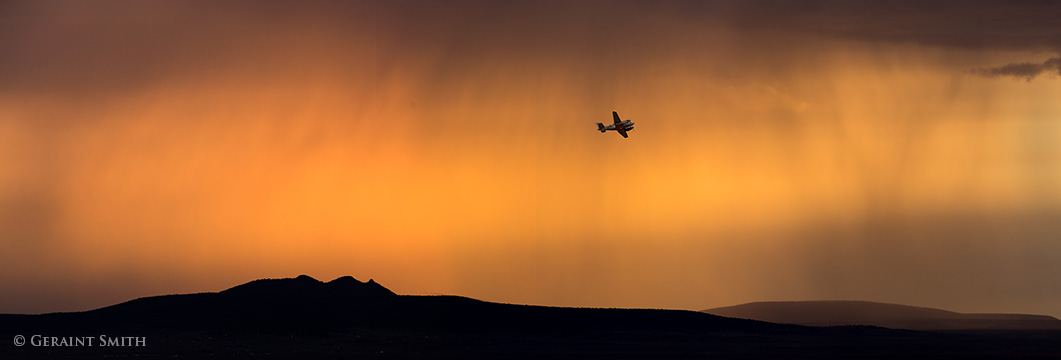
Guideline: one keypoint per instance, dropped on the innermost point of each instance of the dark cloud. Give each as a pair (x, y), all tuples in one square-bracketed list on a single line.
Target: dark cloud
[(1002, 25), (1025, 70), (78, 48), (72, 48)]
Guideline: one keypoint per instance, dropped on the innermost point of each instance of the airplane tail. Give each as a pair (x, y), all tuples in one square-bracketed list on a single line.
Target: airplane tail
[(600, 127)]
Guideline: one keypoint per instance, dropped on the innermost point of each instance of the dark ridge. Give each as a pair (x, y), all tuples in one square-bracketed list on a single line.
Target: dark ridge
[(306, 286), (272, 287), (835, 313), (304, 304), (345, 318), (352, 286)]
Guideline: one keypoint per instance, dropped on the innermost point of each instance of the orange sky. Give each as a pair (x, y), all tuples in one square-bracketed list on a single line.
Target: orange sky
[(164, 147)]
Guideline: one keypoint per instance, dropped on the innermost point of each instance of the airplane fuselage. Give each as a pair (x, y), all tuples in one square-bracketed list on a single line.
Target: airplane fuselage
[(620, 126), (625, 125)]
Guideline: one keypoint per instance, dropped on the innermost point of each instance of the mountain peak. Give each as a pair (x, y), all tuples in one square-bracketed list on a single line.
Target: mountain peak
[(345, 280), (305, 277), (305, 285)]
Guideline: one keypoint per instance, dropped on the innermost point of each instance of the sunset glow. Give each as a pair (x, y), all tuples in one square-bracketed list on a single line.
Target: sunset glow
[(449, 147)]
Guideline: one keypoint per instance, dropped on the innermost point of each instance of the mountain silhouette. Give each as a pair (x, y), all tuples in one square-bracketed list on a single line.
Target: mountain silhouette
[(304, 303), (345, 318), (834, 313), (308, 287)]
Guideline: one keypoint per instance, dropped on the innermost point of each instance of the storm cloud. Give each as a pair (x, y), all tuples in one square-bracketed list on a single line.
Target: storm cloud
[(975, 25), (1026, 70)]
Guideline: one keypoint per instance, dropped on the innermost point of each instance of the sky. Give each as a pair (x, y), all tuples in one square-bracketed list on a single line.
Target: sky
[(896, 151)]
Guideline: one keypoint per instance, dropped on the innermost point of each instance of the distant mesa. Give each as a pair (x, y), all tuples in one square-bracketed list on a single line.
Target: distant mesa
[(835, 313), (300, 302)]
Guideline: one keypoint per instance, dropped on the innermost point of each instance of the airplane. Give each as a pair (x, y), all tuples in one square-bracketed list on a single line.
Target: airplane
[(621, 126)]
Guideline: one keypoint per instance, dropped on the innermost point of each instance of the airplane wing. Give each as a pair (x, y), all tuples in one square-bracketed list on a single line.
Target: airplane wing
[(616, 116), (622, 132)]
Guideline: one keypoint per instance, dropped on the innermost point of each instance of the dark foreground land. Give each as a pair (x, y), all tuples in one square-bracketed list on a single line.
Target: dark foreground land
[(345, 318)]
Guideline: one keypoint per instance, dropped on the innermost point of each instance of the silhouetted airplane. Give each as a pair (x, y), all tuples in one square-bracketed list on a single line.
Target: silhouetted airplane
[(621, 126)]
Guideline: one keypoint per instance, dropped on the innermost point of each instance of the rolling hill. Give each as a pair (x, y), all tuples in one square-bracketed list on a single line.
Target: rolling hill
[(834, 313)]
